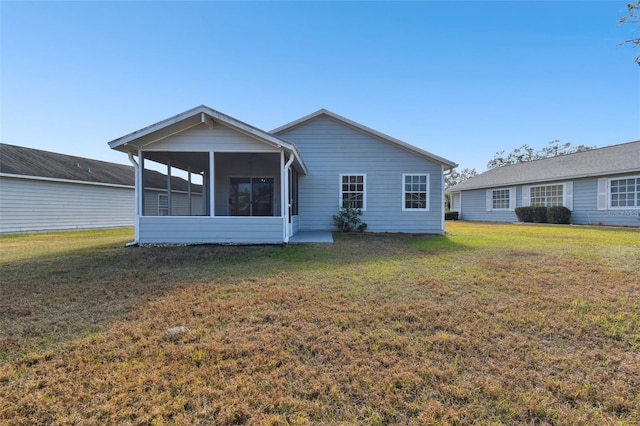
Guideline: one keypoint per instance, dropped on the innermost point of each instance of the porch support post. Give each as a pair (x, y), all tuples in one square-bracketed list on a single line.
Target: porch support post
[(212, 184), (283, 200), (136, 196), (443, 201), (169, 195), (189, 190)]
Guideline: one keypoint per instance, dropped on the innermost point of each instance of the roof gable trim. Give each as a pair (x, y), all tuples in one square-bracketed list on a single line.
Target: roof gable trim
[(59, 180)]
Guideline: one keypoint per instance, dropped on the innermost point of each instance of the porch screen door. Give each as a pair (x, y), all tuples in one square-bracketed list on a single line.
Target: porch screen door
[(251, 196)]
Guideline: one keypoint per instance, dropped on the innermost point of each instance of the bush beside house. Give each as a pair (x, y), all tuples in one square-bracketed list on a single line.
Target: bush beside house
[(539, 214)]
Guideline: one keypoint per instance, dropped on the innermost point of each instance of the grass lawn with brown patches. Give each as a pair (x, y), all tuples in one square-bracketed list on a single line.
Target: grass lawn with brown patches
[(492, 324)]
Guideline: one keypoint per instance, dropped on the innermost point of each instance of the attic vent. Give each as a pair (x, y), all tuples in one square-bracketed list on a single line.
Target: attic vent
[(89, 169), (78, 165)]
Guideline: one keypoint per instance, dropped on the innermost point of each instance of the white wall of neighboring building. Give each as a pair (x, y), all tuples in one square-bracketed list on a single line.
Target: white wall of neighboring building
[(34, 204)]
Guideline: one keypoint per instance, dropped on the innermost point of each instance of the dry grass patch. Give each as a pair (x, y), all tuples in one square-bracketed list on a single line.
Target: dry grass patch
[(492, 324)]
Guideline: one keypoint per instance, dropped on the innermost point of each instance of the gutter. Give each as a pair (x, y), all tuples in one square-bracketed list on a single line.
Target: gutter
[(287, 167)]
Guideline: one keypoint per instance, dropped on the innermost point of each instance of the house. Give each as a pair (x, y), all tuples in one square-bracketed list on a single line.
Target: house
[(600, 187), (264, 187), (47, 191)]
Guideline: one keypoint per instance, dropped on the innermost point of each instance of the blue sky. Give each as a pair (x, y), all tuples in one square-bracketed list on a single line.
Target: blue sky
[(460, 79)]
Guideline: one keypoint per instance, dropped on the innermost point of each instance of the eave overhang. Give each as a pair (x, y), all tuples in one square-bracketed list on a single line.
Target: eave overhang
[(201, 115)]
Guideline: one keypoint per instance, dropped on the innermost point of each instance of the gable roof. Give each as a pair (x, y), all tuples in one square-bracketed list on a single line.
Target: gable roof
[(364, 129), (202, 114), (614, 159), (30, 163)]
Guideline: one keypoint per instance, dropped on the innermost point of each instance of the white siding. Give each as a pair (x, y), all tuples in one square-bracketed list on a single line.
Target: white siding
[(455, 202), (212, 230), (28, 205), (330, 148), (217, 138)]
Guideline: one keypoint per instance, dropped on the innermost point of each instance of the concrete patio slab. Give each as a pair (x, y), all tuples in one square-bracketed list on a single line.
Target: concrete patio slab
[(309, 237)]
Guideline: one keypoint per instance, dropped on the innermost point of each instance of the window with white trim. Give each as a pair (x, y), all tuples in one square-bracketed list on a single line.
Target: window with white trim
[(501, 199), (163, 205), (353, 191), (415, 192), (624, 192), (546, 195)]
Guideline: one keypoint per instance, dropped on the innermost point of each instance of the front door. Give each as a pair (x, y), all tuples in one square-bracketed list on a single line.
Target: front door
[(251, 196)]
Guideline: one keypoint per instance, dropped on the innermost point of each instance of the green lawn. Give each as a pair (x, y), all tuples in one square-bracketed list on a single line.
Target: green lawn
[(492, 324)]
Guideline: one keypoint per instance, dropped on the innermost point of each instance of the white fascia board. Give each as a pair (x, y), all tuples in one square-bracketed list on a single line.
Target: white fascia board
[(78, 182), (154, 127), (448, 165)]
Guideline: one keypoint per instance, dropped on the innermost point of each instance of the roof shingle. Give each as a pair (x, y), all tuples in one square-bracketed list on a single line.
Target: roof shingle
[(622, 158)]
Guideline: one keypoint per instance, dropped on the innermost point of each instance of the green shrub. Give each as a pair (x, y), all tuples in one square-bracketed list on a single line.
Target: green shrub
[(558, 214), (539, 214), (524, 214), (532, 214), (451, 216), (348, 219)]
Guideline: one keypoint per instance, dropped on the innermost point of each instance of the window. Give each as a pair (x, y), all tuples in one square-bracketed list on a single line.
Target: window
[(163, 205), (353, 191), (415, 192), (625, 192), (547, 195), (500, 199)]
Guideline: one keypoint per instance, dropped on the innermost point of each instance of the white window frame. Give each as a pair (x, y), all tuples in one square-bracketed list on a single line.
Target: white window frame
[(426, 208), (512, 199), (609, 193), (166, 197), (364, 189), (567, 193)]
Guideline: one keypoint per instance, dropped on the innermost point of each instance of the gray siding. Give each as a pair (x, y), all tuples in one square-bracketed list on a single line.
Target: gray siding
[(218, 138), (474, 207), (330, 148), (28, 205), (295, 224), (214, 230), (585, 206)]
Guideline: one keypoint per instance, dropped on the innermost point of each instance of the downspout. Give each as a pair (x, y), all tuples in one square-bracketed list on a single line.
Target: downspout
[(136, 193), (287, 166), (442, 203)]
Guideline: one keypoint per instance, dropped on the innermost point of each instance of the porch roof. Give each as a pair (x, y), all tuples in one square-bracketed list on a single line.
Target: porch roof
[(200, 115)]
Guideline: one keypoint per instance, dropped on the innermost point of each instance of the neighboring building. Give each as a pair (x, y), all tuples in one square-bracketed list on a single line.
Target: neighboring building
[(263, 187), (47, 191), (600, 187)]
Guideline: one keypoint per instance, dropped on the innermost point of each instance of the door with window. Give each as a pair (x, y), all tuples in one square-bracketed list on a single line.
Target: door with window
[(251, 196)]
